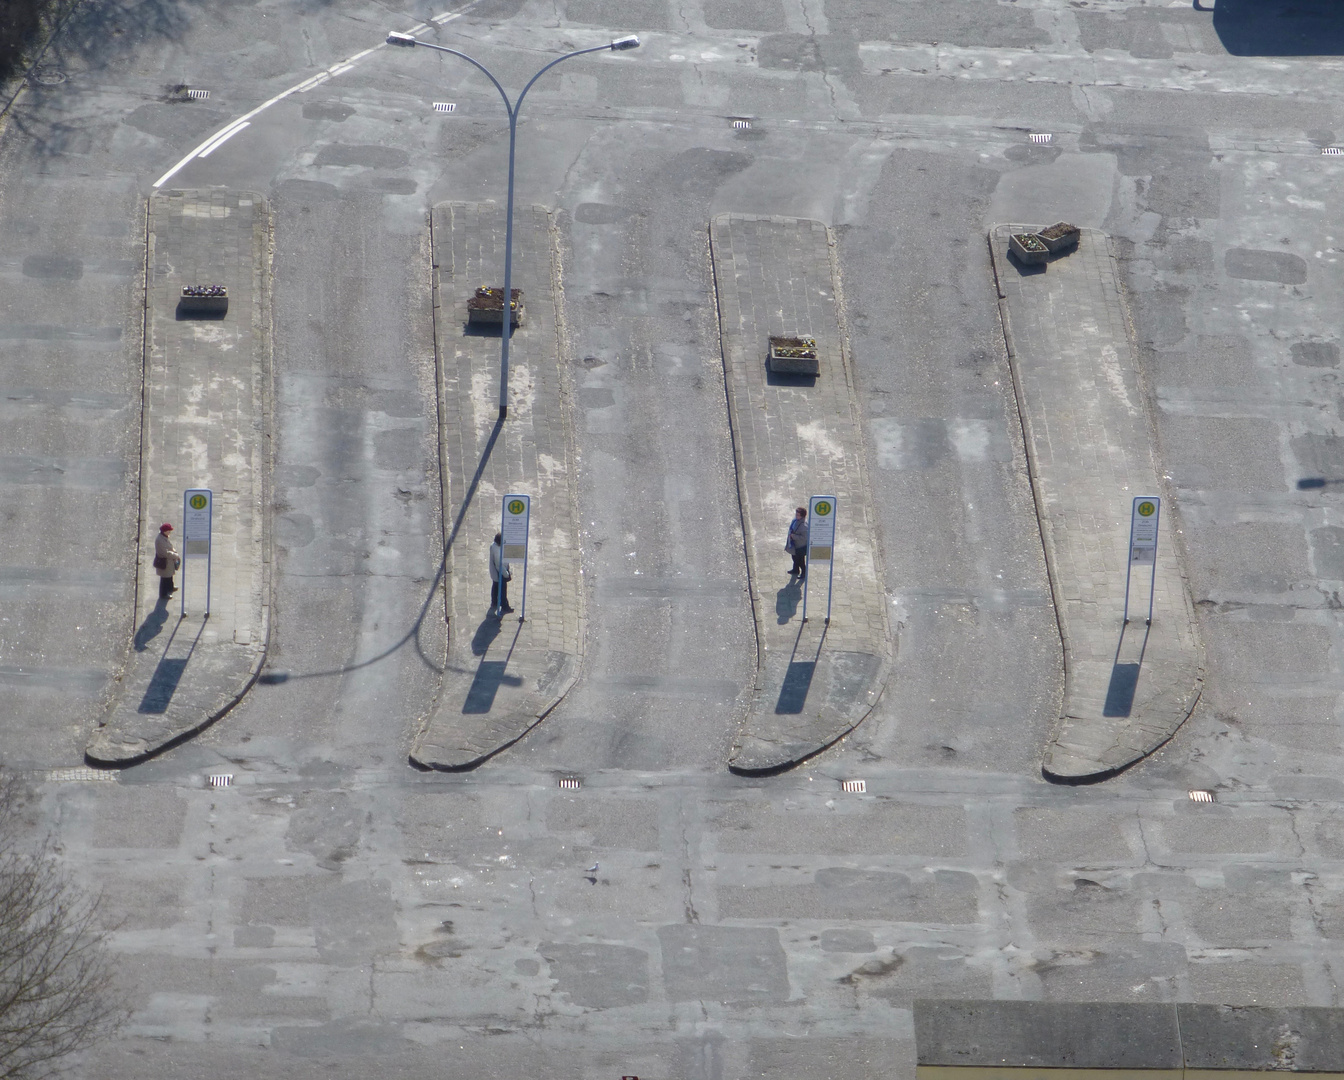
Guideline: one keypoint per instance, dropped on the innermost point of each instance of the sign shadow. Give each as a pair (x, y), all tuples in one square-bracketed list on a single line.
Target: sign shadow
[(1125, 671), (168, 674), (490, 674), (798, 677)]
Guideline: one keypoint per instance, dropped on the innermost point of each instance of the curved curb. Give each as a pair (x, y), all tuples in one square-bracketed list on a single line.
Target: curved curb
[(192, 692), (474, 717), (1089, 435), (842, 667)]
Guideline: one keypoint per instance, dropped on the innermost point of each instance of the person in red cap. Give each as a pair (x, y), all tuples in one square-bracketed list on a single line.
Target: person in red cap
[(166, 561)]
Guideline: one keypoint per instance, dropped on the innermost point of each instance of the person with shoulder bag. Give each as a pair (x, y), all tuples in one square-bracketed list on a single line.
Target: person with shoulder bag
[(796, 543), (500, 576), (166, 561)]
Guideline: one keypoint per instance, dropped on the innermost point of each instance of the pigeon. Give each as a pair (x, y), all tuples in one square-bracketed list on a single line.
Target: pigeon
[(592, 869)]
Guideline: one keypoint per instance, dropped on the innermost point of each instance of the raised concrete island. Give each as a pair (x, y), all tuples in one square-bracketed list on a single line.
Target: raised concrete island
[(992, 1040), (502, 676), (206, 424), (795, 436), (1090, 447)]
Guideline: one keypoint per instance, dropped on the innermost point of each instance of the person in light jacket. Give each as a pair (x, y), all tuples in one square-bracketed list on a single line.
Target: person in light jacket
[(166, 561), (500, 576), (796, 544)]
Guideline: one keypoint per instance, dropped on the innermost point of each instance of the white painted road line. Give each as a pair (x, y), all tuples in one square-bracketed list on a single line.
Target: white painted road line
[(223, 139), (229, 130)]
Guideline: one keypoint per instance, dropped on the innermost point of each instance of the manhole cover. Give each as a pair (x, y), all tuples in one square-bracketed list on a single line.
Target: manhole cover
[(445, 106), (854, 787), (1201, 796), (1332, 151), (48, 76), (198, 95), (741, 125), (221, 780), (570, 782)]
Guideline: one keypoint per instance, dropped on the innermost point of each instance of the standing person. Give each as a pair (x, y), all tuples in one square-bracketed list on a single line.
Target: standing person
[(500, 576), (166, 561), (796, 544)]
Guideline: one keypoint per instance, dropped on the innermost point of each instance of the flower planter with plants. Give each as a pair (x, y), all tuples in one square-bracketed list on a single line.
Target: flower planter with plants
[(1028, 247), (204, 300), (487, 306), (793, 356), (1059, 236)]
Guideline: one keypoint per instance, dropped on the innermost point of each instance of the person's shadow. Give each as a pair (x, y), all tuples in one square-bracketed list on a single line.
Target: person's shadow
[(149, 629), (787, 601), (485, 634)]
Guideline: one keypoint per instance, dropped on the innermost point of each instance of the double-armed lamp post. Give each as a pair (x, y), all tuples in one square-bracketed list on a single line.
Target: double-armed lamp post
[(506, 327)]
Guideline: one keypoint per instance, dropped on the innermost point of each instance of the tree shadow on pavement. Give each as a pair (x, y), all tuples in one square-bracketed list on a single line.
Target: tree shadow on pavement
[(87, 38)]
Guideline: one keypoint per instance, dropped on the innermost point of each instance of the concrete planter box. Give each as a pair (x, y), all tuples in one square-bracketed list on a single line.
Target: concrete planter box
[(204, 300), (1060, 236), (793, 356), (487, 307), (1028, 247)]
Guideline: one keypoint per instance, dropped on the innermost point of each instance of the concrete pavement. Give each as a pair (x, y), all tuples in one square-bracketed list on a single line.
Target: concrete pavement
[(503, 675), (1090, 447), (794, 437), (207, 393)]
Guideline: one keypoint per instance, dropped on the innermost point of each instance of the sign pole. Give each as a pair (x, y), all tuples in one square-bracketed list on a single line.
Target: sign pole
[(821, 514), (513, 528), (1143, 521), (198, 506)]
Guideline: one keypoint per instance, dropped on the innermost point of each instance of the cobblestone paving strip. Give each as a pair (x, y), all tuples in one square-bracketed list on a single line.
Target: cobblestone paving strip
[(502, 676), (1091, 451), (207, 409), (792, 438)]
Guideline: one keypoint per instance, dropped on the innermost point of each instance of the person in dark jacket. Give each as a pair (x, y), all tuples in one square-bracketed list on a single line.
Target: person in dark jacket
[(500, 576), (796, 544)]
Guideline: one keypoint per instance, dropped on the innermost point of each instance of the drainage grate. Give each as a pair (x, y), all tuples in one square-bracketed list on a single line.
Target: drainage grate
[(1040, 137), (1332, 151), (221, 780), (570, 782), (1201, 796), (445, 106), (198, 95), (854, 787), (79, 774), (741, 125)]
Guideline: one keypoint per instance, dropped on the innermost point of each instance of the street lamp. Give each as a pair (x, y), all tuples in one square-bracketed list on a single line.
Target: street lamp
[(506, 329)]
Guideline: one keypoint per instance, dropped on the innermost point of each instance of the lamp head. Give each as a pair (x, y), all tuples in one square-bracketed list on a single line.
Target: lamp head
[(404, 40), (630, 42)]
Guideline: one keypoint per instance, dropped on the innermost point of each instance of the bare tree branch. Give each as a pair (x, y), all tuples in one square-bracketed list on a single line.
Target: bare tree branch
[(55, 974)]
